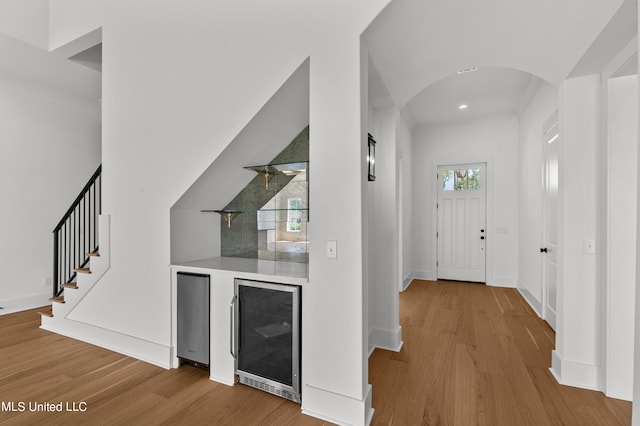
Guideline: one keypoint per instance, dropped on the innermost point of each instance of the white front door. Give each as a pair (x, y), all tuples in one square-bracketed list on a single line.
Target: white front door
[(462, 229), (549, 249)]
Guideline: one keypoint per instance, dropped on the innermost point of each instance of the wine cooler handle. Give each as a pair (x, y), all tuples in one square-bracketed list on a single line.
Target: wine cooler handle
[(232, 327)]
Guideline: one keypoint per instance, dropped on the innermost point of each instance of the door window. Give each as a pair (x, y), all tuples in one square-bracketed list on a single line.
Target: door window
[(461, 180)]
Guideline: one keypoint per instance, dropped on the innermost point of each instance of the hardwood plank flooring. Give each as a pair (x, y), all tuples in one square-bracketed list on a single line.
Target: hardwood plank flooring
[(477, 355), (39, 366), (472, 355)]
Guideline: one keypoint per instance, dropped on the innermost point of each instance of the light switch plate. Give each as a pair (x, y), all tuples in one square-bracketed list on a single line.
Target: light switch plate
[(332, 249)]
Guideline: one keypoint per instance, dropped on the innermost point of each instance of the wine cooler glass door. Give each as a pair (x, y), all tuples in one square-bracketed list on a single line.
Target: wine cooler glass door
[(267, 324)]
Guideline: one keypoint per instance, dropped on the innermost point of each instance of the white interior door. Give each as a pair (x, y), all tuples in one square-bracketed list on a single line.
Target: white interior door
[(462, 222), (549, 249)]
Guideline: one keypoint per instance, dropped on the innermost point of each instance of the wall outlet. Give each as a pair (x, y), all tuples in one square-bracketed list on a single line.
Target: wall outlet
[(332, 249)]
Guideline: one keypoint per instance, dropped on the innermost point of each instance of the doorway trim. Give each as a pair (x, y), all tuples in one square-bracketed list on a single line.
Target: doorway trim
[(464, 159), (468, 259), (550, 132)]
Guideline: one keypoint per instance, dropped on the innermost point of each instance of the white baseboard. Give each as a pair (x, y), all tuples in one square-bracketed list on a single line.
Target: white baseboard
[(406, 282), (498, 281), (423, 275), (151, 352), (624, 396), (24, 303), (222, 380), (418, 275), (371, 346), (576, 374), (390, 340), (535, 304), (337, 408), (556, 365)]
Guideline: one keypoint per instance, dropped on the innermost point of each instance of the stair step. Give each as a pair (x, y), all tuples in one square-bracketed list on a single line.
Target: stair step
[(69, 285), (46, 314), (57, 299), (93, 254), (83, 270)]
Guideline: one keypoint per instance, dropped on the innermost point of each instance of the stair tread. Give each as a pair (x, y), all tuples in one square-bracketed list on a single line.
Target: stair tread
[(46, 314), (94, 254), (69, 285), (58, 299), (83, 270)]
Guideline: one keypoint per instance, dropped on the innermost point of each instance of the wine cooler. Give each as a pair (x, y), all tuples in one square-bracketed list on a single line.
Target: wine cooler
[(266, 336), (193, 319)]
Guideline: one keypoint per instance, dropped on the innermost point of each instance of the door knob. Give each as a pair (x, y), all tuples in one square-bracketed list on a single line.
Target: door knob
[(482, 238), (543, 250)]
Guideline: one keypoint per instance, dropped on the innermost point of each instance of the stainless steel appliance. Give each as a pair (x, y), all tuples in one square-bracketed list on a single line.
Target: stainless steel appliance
[(193, 319), (266, 336)]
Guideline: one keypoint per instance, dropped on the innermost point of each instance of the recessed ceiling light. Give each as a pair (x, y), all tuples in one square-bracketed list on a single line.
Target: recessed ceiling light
[(466, 70), (463, 107)]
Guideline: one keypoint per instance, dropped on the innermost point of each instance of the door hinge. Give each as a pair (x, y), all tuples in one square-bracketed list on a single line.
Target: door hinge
[(437, 205), (437, 234), (437, 176), (437, 263)]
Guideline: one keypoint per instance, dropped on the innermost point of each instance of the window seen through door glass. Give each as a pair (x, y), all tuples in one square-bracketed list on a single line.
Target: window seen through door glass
[(294, 215), (461, 180)]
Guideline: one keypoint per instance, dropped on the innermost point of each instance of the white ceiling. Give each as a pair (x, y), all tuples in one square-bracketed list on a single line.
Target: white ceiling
[(416, 48), (487, 91)]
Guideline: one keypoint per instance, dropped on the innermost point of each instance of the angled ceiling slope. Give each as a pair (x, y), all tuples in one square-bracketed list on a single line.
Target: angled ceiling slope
[(85, 50), (24, 61), (620, 30), (268, 133)]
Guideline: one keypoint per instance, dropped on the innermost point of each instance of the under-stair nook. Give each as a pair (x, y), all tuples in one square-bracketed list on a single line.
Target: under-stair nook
[(247, 219)]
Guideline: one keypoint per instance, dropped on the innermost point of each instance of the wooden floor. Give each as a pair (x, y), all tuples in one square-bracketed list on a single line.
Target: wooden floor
[(472, 355)]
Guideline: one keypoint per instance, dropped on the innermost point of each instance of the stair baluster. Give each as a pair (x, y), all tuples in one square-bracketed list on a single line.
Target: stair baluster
[(75, 238)]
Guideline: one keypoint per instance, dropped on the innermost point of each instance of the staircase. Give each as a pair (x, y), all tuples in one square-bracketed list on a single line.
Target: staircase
[(79, 264), (84, 278), (75, 250)]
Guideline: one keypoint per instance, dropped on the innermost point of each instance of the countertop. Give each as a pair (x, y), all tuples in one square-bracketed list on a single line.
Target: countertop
[(269, 270)]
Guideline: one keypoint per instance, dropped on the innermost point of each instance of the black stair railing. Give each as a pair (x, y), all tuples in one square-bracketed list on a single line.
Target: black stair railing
[(77, 233)]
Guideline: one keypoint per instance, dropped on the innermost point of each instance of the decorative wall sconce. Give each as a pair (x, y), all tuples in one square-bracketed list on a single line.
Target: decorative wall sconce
[(371, 159)]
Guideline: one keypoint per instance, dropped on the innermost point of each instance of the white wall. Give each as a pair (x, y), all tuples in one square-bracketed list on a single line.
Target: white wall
[(636, 372), (576, 359), (180, 80), (622, 210), (404, 156), (636, 361), (383, 235), (26, 20), (50, 147), (494, 141), (542, 105), (196, 235)]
